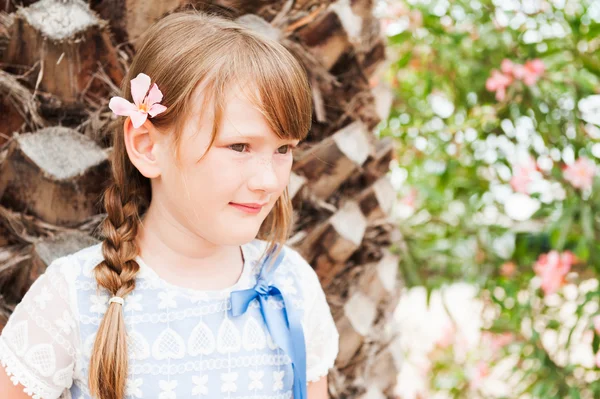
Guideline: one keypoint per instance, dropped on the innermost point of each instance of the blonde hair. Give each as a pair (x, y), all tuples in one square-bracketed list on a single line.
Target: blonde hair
[(179, 52)]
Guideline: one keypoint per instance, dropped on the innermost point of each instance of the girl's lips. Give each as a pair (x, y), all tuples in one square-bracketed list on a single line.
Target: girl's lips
[(249, 205), (247, 209)]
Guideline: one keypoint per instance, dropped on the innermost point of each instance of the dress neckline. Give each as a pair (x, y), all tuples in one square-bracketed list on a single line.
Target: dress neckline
[(146, 272)]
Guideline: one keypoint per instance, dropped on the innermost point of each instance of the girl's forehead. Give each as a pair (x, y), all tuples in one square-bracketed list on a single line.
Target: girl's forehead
[(241, 117)]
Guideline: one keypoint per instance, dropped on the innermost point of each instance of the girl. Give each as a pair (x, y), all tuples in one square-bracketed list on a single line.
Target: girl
[(193, 292)]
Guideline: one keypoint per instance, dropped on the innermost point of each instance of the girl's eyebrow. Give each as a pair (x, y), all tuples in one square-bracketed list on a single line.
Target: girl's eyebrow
[(256, 137)]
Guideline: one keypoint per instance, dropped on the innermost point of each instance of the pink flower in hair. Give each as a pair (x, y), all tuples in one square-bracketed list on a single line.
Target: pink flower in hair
[(145, 102)]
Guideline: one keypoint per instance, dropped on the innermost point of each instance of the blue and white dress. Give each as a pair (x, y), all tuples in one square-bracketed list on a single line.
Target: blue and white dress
[(183, 343)]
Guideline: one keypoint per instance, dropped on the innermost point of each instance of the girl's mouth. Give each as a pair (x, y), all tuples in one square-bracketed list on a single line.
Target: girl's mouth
[(247, 209)]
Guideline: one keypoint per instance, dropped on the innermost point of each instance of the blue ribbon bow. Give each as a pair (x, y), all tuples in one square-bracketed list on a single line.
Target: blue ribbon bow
[(283, 325)]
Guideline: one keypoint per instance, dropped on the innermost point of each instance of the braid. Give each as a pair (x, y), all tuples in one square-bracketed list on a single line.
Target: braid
[(116, 273)]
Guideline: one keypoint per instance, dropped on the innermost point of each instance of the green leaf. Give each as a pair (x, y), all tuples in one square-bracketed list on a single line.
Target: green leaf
[(591, 63), (582, 250), (553, 325), (587, 221), (404, 60), (560, 234)]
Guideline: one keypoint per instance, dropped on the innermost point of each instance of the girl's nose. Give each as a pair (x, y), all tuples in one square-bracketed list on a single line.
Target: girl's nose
[(264, 175)]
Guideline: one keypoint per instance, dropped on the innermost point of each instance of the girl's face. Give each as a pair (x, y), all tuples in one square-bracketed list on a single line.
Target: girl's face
[(247, 163)]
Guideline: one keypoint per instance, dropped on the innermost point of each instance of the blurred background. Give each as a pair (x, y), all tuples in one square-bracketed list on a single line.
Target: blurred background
[(446, 195), (497, 116)]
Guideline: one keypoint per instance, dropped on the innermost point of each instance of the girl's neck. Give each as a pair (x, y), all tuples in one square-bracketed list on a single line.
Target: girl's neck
[(173, 250)]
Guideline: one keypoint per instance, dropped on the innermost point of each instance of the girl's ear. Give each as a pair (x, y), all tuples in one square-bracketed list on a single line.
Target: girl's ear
[(141, 147)]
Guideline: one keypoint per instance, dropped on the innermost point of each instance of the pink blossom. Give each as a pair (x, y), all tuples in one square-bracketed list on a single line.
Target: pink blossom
[(498, 82), (522, 176), (596, 321), (535, 66), (482, 370), (508, 269), (447, 336), (520, 181), (532, 71), (528, 73), (518, 71), (509, 71), (410, 198), (507, 67), (496, 341), (552, 269), (581, 173), (144, 102), (499, 341), (396, 10), (416, 18)]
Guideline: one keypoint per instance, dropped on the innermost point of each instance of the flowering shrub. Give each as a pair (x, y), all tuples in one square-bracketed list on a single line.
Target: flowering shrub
[(528, 74), (497, 120)]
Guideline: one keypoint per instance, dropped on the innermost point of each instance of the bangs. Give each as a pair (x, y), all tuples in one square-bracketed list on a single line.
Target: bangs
[(269, 76), (273, 80)]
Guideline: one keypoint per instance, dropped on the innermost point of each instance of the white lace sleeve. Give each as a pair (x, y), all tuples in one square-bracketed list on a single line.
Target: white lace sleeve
[(39, 343), (320, 332)]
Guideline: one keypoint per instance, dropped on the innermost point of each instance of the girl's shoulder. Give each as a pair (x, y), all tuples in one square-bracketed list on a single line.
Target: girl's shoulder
[(294, 275), (75, 264), (296, 264)]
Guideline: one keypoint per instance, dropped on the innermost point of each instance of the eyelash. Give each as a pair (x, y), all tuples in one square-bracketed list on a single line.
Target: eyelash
[(291, 147)]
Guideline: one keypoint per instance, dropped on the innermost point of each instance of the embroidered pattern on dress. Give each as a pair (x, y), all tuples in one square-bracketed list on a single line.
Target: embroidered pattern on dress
[(181, 343)]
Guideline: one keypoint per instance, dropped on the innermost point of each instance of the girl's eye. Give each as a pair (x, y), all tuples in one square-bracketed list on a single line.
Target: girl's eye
[(239, 144), (287, 147)]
